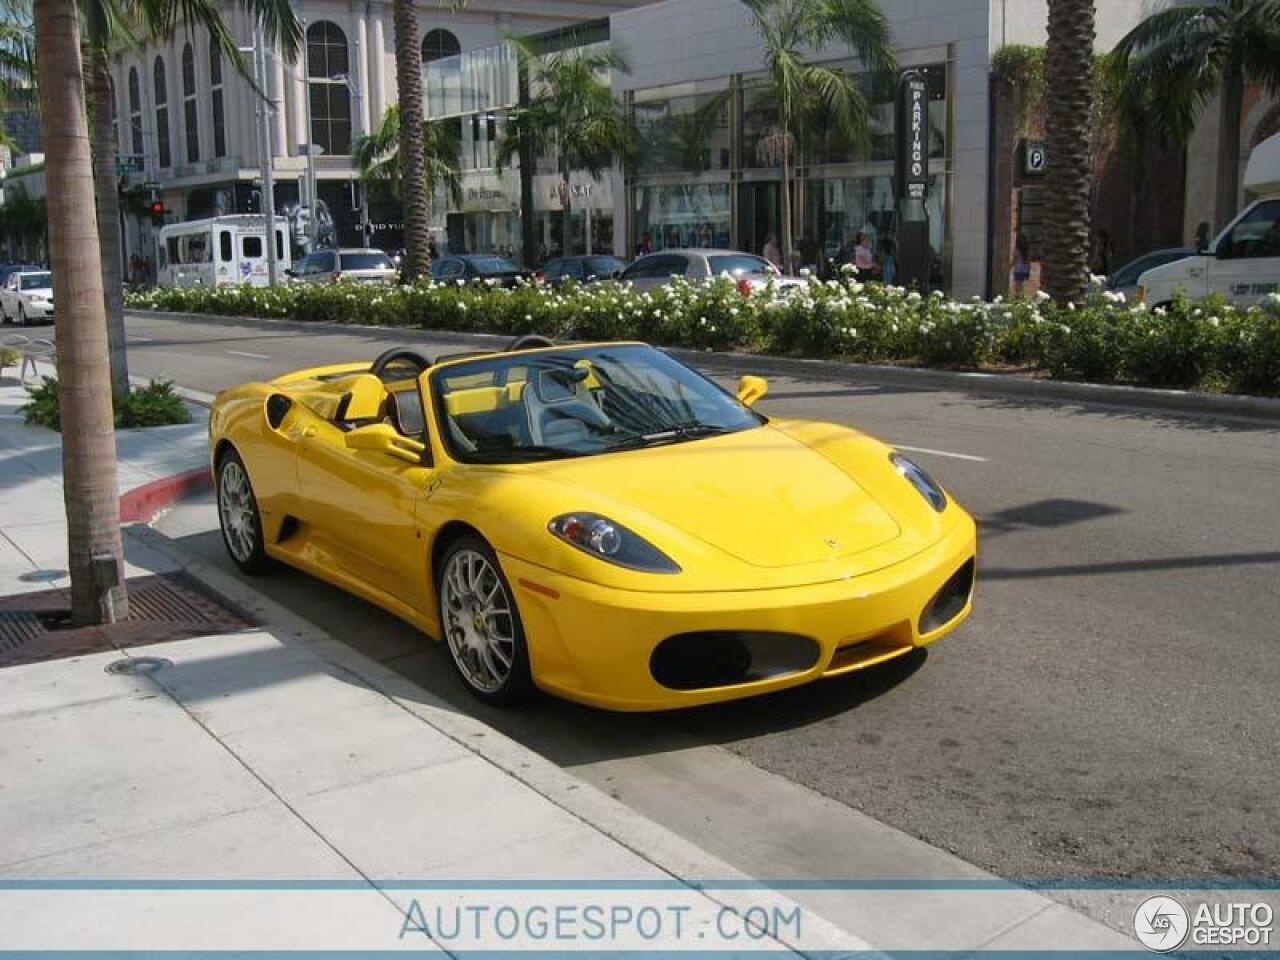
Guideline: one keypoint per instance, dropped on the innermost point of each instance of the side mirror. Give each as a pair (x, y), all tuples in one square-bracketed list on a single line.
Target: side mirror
[(382, 438), (290, 272), (616, 275), (751, 390)]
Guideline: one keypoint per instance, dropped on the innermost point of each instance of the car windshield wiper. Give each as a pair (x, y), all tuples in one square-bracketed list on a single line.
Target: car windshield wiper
[(671, 434)]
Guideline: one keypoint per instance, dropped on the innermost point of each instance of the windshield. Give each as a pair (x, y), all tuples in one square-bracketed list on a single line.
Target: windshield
[(577, 402), (366, 261), (36, 281), (737, 264), (493, 265), (603, 266)]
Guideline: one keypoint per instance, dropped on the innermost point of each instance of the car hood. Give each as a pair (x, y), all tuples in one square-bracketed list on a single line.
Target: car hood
[(38, 292), (760, 495)]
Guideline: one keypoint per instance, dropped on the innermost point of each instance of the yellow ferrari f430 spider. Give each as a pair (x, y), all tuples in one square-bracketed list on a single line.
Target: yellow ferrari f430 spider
[(599, 521)]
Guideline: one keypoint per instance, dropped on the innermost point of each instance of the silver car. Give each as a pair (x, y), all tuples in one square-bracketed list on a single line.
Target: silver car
[(356, 264), (697, 265)]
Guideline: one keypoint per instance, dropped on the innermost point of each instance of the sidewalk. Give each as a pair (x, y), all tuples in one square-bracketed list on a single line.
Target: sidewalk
[(271, 787)]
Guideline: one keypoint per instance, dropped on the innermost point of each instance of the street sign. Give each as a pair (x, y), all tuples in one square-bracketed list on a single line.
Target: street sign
[(153, 185), (129, 163), (913, 137), (1035, 158)]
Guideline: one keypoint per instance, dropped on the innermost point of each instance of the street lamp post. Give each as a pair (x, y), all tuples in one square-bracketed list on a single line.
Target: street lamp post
[(267, 202), (358, 105)]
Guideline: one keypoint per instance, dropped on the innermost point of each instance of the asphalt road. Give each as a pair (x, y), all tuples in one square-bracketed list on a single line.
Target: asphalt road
[(1108, 711)]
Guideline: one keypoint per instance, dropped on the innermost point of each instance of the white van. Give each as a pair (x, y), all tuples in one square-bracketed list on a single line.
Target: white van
[(1242, 264), (219, 251)]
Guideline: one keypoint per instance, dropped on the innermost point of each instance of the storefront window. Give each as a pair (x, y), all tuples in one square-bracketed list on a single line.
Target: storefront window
[(687, 133), (841, 208), (686, 215), (762, 138)]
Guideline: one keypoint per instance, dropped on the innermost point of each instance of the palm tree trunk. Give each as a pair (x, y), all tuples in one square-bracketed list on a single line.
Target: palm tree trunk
[(413, 183), (1232, 103), (1069, 82), (84, 390), (108, 197), (786, 201)]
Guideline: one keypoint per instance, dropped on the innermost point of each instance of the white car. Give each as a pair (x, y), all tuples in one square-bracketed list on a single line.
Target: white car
[(358, 265), (27, 296), (1242, 264), (703, 266)]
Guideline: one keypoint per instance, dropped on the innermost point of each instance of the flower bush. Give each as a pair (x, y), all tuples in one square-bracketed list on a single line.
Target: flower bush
[(1206, 345)]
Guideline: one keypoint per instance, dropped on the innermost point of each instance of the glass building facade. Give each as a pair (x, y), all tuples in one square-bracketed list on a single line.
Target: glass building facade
[(708, 173)]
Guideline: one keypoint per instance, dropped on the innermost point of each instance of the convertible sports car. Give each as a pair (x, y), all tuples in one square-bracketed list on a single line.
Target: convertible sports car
[(597, 520)]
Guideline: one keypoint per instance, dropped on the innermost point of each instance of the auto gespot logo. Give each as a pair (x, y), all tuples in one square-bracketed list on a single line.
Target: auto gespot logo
[(1161, 924)]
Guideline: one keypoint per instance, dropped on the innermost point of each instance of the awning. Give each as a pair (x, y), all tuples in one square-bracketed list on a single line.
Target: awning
[(1262, 176)]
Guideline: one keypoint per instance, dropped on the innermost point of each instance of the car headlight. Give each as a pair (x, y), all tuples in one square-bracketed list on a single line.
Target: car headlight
[(606, 540), (923, 483)]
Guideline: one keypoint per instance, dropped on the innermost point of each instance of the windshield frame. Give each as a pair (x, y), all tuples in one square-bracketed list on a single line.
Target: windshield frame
[(439, 415)]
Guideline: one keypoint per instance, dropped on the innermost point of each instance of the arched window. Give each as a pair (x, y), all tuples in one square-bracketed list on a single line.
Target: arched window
[(161, 98), (219, 109), (438, 44), (135, 111), (327, 69), (190, 117)]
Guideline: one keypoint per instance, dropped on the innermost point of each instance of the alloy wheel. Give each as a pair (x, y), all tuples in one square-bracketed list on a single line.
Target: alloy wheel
[(236, 511), (478, 622)]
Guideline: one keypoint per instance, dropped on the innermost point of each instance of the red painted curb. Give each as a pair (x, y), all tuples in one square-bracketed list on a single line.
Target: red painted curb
[(142, 504)]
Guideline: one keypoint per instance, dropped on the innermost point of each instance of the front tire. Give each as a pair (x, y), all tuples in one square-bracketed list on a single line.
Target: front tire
[(481, 624), (238, 515)]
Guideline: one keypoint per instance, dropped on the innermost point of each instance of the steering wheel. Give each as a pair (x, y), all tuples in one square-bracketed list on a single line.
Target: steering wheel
[(412, 355), (530, 341)]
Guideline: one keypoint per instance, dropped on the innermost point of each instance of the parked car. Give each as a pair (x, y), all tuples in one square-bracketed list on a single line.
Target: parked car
[(750, 272), (582, 270), (357, 264), (1242, 264), (487, 267), (482, 498), (1125, 279), (27, 295)]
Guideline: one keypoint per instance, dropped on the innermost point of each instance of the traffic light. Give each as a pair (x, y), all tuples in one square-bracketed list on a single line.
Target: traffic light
[(157, 208)]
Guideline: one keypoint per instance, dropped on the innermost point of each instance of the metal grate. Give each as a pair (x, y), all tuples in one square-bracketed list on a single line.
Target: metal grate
[(161, 608)]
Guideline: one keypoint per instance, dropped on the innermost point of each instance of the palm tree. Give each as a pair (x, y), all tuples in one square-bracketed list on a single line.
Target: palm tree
[(1069, 98), (108, 25), (569, 113), (409, 91), (378, 156), (1190, 52), (84, 386), (789, 30)]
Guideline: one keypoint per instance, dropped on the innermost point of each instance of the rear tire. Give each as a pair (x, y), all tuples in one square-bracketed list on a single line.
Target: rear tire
[(238, 515), (481, 625)]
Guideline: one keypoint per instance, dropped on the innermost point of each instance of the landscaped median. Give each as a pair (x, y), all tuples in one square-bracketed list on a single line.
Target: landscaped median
[(1207, 345)]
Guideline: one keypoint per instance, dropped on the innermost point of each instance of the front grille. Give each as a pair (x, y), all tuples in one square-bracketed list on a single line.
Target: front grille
[(721, 658), (950, 600)]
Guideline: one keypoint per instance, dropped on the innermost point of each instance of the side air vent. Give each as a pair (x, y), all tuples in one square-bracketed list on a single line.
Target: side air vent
[(278, 406)]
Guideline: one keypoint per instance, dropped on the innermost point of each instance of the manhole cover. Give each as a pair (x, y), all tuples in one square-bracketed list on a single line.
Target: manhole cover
[(138, 666)]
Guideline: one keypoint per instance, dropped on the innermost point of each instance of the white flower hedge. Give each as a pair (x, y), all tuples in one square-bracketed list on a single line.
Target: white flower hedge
[(1206, 345)]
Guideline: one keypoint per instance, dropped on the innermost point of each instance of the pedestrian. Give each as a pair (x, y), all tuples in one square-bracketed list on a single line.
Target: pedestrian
[(888, 262), (863, 258), (771, 251), (645, 246), (1021, 264), (1103, 250), (1202, 237)]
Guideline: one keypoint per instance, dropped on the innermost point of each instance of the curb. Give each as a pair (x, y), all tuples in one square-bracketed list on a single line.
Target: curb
[(680, 859), (143, 504), (1188, 403)]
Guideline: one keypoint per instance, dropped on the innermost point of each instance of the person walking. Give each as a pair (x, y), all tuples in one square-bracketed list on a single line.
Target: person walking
[(863, 257), (888, 262), (1021, 265), (771, 251)]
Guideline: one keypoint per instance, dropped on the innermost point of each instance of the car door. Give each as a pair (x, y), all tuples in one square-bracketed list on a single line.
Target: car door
[(361, 506), (1246, 264)]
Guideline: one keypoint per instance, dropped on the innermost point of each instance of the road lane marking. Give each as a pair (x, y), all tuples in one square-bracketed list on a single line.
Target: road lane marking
[(255, 356), (943, 453)]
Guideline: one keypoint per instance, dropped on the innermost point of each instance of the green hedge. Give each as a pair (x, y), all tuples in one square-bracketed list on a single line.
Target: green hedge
[(1207, 345)]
